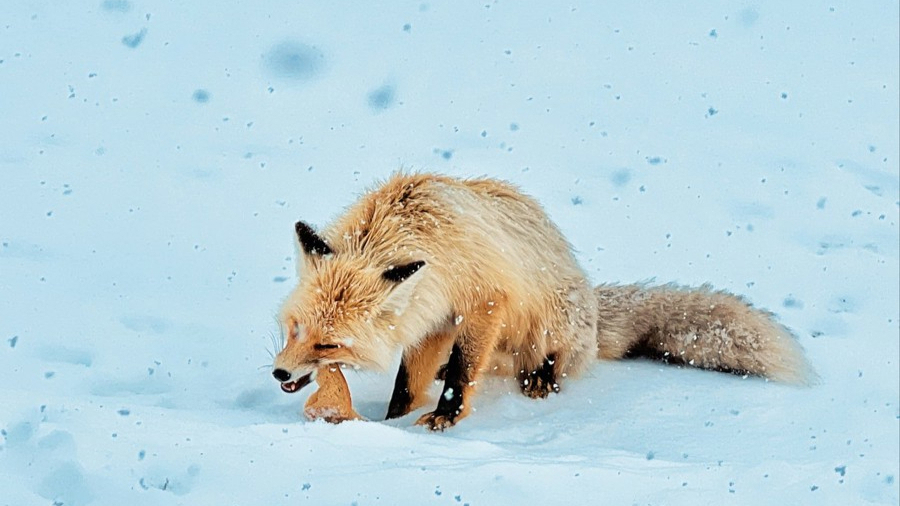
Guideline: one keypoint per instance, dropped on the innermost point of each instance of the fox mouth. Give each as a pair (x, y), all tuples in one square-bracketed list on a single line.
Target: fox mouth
[(295, 386)]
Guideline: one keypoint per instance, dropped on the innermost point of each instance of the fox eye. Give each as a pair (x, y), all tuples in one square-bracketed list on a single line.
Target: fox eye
[(325, 346)]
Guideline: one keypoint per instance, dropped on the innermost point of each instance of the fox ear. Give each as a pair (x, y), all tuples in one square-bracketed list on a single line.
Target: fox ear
[(310, 242), (400, 273), (406, 277)]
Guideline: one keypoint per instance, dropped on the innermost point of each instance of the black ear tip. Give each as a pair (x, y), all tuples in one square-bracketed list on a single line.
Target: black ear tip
[(310, 241), (399, 273)]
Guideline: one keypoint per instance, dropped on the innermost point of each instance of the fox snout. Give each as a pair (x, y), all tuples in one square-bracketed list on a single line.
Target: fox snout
[(287, 384), (304, 352), (294, 368)]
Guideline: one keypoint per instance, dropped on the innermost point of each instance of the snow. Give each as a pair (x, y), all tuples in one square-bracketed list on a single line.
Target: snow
[(155, 156)]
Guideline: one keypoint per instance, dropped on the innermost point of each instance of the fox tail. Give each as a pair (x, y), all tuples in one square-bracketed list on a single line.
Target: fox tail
[(699, 327)]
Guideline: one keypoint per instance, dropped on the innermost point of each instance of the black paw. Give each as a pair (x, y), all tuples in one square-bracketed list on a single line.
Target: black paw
[(537, 387), (540, 383), (436, 421), (396, 410)]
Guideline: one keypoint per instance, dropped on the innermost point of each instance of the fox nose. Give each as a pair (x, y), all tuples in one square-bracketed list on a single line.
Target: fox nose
[(281, 375)]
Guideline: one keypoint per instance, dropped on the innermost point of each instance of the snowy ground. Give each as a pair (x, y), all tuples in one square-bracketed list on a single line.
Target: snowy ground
[(155, 156)]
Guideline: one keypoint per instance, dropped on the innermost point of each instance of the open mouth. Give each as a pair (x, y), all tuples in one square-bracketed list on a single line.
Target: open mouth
[(295, 386)]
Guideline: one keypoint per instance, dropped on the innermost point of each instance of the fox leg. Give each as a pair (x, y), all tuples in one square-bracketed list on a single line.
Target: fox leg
[(564, 347), (470, 355), (417, 371), (538, 382), (441, 374)]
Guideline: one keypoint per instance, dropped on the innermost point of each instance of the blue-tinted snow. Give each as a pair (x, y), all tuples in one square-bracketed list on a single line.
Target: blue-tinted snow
[(155, 156)]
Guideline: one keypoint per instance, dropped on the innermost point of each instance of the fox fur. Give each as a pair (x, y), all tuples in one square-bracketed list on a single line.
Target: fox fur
[(459, 272)]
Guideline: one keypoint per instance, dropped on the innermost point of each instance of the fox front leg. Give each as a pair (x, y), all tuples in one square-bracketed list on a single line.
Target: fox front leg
[(457, 384), (470, 356), (417, 372)]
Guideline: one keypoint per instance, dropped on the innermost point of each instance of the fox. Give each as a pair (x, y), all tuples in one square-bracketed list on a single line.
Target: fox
[(458, 274)]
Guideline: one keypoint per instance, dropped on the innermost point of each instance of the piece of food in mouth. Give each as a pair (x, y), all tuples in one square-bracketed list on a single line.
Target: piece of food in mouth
[(331, 402)]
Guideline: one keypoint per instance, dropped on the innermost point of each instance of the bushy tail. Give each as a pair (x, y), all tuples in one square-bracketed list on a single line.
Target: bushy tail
[(699, 327)]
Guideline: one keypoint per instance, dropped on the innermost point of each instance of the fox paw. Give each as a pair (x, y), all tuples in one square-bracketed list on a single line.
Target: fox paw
[(436, 421), (536, 387)]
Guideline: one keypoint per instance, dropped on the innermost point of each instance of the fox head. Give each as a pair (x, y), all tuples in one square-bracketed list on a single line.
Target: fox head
[(344, 311)]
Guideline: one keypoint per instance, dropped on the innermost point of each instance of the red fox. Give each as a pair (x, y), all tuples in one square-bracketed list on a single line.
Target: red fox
[(458, 273)]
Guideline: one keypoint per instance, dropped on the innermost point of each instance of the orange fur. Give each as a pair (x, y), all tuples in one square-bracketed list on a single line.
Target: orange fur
[(331, 402)]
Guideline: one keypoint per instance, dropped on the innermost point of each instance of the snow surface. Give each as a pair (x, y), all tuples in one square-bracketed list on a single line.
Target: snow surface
[(155, 156)]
